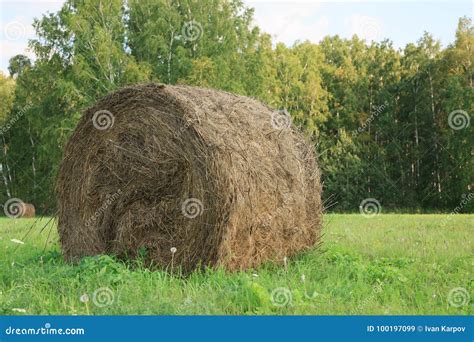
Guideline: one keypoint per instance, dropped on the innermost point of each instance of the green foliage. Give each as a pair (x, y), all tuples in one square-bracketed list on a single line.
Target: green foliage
[(17, 64), (378, 116), (7, 89)]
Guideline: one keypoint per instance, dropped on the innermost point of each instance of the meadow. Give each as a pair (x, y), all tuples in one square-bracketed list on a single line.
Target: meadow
[(391, 264)]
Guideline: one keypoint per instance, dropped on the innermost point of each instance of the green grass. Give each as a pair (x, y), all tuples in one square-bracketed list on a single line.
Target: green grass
[(389, 265)]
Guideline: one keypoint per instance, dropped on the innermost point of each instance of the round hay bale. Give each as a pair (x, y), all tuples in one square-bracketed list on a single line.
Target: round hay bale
[(190, 177), (28, 210)]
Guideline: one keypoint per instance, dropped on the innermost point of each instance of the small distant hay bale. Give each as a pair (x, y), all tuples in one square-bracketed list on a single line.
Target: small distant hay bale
[(189, 176), (16, 208), (28, 210)]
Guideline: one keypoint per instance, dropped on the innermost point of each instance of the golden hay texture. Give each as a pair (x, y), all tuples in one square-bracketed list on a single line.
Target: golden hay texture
[(28, 210), (189, 176)]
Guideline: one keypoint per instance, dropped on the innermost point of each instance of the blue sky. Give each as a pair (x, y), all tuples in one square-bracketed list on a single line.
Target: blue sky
[(288, 21)]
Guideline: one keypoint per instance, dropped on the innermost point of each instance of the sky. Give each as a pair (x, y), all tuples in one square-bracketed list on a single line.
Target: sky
[(401, 21)]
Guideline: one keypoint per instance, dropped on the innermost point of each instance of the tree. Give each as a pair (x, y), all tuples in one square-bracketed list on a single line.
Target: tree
[(17, 64), (379, 117), (80, 57), (7, 89)]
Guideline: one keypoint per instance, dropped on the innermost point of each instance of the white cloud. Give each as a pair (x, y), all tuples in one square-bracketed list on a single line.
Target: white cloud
[(16, 26), (9, 49), (14, 39), (368, 28), (288, 22)]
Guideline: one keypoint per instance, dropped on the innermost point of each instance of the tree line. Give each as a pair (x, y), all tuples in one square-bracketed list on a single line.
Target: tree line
[(389, 124)]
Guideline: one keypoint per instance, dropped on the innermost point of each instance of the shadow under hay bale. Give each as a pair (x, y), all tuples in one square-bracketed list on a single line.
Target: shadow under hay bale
[(193, 176)]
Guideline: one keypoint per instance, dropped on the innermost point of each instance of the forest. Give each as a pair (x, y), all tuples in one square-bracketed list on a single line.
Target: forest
[(387, 123)]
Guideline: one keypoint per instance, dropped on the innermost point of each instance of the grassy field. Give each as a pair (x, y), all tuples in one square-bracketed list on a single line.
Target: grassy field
[(388, 265)]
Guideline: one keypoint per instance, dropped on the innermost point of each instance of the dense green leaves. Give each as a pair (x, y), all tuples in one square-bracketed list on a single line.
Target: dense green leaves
[(378, 116)]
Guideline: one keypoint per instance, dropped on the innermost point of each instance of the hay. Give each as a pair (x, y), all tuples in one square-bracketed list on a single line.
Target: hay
[(190, 176), (28, 210)]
